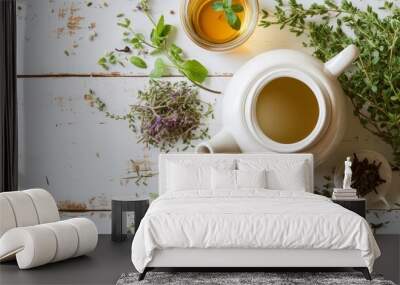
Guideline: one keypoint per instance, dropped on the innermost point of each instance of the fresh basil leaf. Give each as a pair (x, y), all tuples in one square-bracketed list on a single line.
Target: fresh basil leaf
[(138, 40), (218, 6), (232, 19), (159, 69), (154, 37), (237, 8), (165, 31), (176, 53), (112, 58), (156, 51), (139, 36), (227, 3), (102, 60), (230, 11), (160, 25), (134, 41), (156, 32), (176, 49), (160, 32), (137, 61), (103, 63), (194, 70)]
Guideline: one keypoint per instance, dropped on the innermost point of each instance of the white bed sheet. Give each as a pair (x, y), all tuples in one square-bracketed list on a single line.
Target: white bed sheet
[(252, 218)]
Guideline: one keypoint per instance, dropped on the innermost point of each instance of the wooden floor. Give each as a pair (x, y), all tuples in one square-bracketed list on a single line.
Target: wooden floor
[(111, 259), (103, 266)]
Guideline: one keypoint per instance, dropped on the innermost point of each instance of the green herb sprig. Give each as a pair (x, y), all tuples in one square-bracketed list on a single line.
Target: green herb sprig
[(327, 187), (230, 11), (166, 114), (171, 55), (373, 84), (110, 58)]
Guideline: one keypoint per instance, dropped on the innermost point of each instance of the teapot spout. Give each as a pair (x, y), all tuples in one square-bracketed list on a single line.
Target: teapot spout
[(342, 60), (222, 142)]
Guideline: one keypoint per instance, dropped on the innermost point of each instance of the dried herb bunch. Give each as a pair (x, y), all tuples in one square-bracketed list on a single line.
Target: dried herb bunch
[(373, 85), (167, 114), (366, 176)]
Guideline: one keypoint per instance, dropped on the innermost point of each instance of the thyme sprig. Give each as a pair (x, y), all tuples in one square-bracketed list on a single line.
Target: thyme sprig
[(166, 114), (158, 44), (373, 85)]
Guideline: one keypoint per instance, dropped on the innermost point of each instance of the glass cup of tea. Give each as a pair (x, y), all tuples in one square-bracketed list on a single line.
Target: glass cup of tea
[(209, 28)]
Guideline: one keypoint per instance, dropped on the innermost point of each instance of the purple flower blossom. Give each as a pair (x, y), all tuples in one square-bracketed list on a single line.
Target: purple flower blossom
[(155, 126)]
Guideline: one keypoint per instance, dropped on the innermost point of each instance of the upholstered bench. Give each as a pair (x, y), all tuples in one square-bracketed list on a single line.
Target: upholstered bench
[(31, 230)]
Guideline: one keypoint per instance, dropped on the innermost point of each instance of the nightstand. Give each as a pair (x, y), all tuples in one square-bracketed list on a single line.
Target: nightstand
[(358, 206), (124, 210)]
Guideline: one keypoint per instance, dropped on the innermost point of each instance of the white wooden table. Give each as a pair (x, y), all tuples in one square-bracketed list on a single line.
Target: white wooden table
[(72, 149)]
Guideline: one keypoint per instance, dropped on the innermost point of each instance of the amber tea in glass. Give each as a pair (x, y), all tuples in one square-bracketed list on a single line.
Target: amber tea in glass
[(210, 29)]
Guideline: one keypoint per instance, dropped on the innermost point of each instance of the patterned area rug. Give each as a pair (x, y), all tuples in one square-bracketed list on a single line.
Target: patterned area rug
[(244, 278)]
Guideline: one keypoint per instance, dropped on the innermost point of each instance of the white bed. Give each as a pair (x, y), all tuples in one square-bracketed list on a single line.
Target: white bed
[(248, 227)]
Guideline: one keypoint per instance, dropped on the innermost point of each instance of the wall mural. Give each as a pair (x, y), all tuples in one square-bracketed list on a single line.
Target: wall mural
[(94, 112)]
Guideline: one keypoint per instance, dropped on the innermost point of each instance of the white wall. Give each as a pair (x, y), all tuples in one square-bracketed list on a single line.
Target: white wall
[(74, 151)]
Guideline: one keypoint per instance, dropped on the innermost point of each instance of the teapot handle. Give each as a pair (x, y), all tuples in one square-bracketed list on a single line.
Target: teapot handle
[(342, 60)]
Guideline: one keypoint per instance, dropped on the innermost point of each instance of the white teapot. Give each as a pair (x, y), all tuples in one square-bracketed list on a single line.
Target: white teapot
[(263, 107)]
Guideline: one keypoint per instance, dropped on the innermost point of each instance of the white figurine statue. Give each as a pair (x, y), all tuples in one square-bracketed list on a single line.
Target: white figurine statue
[(347, 174)]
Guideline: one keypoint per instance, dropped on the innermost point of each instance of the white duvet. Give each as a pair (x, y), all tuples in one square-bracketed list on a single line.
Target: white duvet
[(250, 219)]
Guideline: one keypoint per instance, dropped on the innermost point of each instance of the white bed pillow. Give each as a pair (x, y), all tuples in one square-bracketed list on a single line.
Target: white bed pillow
[(228, 179), (223, 179), (188, 177), (288, 174), (186, 174), (251, 179), (293, 179)]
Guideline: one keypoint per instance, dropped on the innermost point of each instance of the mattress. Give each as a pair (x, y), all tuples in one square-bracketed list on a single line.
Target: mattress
[(250, 219)]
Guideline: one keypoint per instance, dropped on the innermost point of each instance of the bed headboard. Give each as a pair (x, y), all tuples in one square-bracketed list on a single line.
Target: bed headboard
[(275, 159)]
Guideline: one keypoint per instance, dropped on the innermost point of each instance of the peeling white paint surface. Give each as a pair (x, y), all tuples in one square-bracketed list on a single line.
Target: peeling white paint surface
[(43, 20), (102, 219), (82, 157), (82, 153)]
